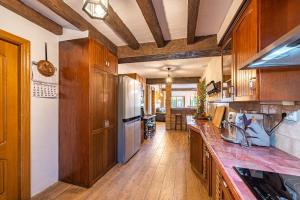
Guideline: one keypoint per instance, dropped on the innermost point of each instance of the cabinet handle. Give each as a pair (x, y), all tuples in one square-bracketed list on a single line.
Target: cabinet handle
[(207, 154), (106, 123), (225, 185)]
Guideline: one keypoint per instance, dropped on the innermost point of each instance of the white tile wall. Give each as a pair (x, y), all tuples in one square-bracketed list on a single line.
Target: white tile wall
[(287, 138)]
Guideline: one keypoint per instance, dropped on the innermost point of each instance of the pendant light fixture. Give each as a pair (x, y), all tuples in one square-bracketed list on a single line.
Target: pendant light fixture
[(169, 78), (96, 9)]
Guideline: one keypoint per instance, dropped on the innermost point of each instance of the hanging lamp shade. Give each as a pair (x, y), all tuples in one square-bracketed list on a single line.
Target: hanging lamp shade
[(169, 78), (96, 9)]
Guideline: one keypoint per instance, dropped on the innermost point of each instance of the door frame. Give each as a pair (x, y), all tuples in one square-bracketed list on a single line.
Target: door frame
[(24, 112)]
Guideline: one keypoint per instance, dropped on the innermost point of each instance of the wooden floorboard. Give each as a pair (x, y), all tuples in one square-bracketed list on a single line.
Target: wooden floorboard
[(160, 170)]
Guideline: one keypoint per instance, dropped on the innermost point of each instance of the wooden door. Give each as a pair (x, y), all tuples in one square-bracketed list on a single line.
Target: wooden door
[(245, 45), (9, 117)]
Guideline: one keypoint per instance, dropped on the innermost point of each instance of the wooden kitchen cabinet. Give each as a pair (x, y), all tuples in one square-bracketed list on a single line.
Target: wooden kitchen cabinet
[(273, 25), (256, 28), (203, 163), (87, 112)]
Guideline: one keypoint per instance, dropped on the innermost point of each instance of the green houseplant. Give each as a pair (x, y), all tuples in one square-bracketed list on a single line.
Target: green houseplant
[(201, 101)]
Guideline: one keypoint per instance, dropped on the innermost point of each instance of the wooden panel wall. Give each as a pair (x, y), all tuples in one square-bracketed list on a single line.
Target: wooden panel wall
[(245, 45), (74, 107)]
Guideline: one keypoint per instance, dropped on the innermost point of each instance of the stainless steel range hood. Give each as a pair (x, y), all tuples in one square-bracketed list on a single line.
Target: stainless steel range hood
[(283, 52)]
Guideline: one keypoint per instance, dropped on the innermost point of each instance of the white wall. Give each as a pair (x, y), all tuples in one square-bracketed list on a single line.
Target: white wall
[(44, 112), (213, 71), (229, 17), (287, 138)]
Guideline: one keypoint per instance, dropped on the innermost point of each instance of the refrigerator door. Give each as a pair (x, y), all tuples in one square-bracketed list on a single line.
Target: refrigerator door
[(129, 91), (137, 135), (137, 98), (129, 140)]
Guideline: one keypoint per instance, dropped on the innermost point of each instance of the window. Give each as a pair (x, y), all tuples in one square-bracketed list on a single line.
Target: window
[(193, 101), (177, 102)]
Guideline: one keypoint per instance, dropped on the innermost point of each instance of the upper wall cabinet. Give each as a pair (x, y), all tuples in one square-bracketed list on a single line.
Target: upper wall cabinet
[(277, 17), (102, 58), (261, 23)]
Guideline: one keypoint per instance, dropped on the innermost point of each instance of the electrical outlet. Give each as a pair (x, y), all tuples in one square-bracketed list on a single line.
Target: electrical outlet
[(294, 116)]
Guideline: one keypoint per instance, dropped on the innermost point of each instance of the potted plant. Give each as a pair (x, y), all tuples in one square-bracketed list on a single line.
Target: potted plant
[(201, 102)]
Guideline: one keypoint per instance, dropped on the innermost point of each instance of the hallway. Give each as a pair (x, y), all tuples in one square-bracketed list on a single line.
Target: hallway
[(160, 170)]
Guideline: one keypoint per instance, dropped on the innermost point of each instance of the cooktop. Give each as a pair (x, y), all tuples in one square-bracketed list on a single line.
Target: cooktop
[(269, 185)]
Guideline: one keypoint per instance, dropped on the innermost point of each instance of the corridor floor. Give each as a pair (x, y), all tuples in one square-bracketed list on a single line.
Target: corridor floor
[(160, 170)]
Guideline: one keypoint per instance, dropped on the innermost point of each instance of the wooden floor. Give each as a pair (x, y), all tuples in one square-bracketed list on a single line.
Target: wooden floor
[(160, 170)]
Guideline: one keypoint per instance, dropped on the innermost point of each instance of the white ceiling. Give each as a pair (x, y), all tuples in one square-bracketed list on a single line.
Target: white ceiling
[(211, 16), (172, 15), (158, 69)]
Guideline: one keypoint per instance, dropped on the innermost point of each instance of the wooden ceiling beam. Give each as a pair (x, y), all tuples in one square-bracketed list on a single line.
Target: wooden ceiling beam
[(118, 26), (175, 80), (23, 10), (193, 9), (205, 46), (66, 12), (150, 16)]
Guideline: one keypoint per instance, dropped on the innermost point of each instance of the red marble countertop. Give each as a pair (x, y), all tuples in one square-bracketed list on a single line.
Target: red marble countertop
[(227, 155)]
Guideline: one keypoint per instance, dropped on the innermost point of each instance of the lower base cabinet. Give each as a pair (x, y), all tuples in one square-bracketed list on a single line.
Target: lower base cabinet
[(206, 168)]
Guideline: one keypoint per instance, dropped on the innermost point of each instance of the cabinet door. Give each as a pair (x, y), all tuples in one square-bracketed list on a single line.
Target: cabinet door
[(97, 154), (245, 45), (213, 179), (225, 193), (196, 152), (97, 55), (109, 148), (98, 79), (112, 63), (110, 99)]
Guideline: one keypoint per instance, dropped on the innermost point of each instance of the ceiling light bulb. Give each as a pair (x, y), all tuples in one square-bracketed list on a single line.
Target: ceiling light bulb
[(169, 79)]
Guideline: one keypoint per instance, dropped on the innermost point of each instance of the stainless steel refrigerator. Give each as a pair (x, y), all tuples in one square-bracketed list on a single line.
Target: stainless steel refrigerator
[(129, 118)]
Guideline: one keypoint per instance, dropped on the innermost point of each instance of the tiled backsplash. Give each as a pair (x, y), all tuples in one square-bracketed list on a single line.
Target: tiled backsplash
[(286, 137)]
